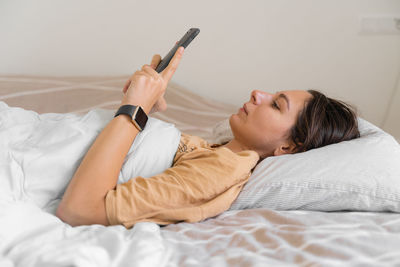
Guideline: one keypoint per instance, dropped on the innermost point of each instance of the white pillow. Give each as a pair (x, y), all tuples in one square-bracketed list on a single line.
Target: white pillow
[(362, 174), (39, 153)]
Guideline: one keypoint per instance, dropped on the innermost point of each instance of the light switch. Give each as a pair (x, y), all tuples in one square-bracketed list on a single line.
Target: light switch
[(384, 24)]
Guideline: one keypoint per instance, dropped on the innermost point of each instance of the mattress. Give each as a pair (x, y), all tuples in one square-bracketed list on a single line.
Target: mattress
[(30, 236)]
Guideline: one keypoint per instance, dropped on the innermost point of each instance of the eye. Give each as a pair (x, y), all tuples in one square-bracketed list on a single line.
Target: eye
[(275, 105)]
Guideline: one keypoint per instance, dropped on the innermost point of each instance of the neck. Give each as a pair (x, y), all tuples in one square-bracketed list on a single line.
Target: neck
[(235, 146)]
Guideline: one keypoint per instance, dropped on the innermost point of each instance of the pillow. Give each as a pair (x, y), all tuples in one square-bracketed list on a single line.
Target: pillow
[(39, 153), (362, 174)]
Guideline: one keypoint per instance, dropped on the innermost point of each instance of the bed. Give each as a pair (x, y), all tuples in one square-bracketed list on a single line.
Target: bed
[(31, 236)]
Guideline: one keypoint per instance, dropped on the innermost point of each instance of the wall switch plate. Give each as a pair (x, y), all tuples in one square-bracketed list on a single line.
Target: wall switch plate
[(380, 24)]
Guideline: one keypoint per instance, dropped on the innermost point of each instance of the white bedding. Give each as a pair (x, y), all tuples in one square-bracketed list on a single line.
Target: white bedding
[(263, 237), (33, 237), (30, 235), (39, 154), (254, 237)]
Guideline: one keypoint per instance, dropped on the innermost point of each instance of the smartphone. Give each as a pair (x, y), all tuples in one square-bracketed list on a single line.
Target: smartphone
[(184, 41)]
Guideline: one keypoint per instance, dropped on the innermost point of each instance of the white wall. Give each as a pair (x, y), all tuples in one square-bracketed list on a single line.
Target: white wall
[(243, 45), (392, 120)]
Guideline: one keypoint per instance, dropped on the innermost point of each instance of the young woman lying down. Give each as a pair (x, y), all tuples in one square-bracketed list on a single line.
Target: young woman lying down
[(204, 178)]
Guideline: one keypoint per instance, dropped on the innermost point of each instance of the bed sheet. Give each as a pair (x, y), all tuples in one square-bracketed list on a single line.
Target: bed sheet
[(263, 237), (30, 236)]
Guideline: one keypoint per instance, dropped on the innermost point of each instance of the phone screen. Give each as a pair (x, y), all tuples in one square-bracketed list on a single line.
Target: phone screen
[(184, 41)]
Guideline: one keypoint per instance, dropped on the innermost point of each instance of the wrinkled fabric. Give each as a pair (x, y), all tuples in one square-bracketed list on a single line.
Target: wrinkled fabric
[(264, 237), (39, 153), (203, 182)]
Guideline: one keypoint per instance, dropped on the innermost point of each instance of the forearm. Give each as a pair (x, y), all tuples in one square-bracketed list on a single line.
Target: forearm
[(98, 173), (84, 199)]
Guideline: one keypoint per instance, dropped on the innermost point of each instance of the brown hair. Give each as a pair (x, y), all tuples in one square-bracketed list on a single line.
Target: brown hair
[(324, 121)]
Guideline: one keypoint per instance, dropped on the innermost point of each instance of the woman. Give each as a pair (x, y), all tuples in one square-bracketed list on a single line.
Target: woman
[(204, 179)]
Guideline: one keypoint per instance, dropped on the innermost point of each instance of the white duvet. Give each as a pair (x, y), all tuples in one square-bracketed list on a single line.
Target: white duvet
[(38, 156)]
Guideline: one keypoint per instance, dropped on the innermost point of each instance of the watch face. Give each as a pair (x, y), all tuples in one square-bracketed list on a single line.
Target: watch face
[(138, 116), (141, 118)]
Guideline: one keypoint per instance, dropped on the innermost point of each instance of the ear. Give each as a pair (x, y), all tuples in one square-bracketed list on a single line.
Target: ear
[(285, 148)]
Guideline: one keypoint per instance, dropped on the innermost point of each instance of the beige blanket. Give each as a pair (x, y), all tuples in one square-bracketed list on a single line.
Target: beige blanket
[(191, 113)]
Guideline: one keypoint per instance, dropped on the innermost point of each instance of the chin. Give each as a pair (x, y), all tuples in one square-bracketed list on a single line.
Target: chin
[(231, 120)]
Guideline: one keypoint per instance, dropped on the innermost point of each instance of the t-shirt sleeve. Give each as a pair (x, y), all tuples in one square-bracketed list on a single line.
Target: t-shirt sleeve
[(200, 185)]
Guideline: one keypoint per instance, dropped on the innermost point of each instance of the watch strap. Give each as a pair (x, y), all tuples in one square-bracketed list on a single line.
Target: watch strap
[(138, 116)]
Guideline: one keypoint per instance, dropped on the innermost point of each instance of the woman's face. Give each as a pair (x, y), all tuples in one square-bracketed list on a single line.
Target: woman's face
[(263, 123)]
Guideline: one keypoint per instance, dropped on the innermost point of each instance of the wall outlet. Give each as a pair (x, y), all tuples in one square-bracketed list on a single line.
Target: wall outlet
[(380, 24)]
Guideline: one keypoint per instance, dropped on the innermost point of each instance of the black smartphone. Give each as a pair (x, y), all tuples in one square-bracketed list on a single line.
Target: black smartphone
[(184, 41)]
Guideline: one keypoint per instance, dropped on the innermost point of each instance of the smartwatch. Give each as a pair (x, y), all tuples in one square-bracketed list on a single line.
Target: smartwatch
[(138, 116)]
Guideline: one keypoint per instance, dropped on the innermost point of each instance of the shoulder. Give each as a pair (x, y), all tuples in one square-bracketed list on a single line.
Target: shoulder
[(199, 151), (189, 143), (244, 160)]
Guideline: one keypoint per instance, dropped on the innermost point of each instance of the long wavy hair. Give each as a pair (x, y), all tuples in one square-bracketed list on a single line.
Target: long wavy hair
[(324, 121)]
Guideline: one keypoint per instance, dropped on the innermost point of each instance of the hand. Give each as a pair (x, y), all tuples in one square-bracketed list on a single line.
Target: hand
[(161, 104), (146, 87)]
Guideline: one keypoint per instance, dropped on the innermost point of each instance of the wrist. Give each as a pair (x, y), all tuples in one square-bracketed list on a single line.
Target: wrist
[(135, 113), (145, 108)]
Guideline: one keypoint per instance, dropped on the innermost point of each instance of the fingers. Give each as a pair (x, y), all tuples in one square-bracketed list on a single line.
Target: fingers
[(140, 74), (162, 104), (146, 70), (126, 86), (155, 61), (169, 71), (149, 70)]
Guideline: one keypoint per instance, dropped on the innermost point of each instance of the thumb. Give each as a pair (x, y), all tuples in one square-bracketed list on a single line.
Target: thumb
[(169, 71)]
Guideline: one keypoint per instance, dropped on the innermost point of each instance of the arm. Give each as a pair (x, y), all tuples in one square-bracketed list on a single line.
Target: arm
[(201, 184), (84, 200)]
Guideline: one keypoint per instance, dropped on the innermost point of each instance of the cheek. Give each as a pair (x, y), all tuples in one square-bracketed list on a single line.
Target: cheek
[(262, 127), (268, 125)]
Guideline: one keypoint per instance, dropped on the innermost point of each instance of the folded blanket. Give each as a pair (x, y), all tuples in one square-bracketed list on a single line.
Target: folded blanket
[(39, 153)]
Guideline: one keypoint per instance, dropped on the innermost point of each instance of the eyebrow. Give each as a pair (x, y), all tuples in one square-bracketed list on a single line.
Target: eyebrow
[(286, 99)]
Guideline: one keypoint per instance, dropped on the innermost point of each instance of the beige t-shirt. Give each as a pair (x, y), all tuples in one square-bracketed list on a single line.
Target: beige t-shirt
[(203, 181)]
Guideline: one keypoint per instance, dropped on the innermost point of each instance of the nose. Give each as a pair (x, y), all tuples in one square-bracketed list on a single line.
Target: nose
[(257, 96)]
